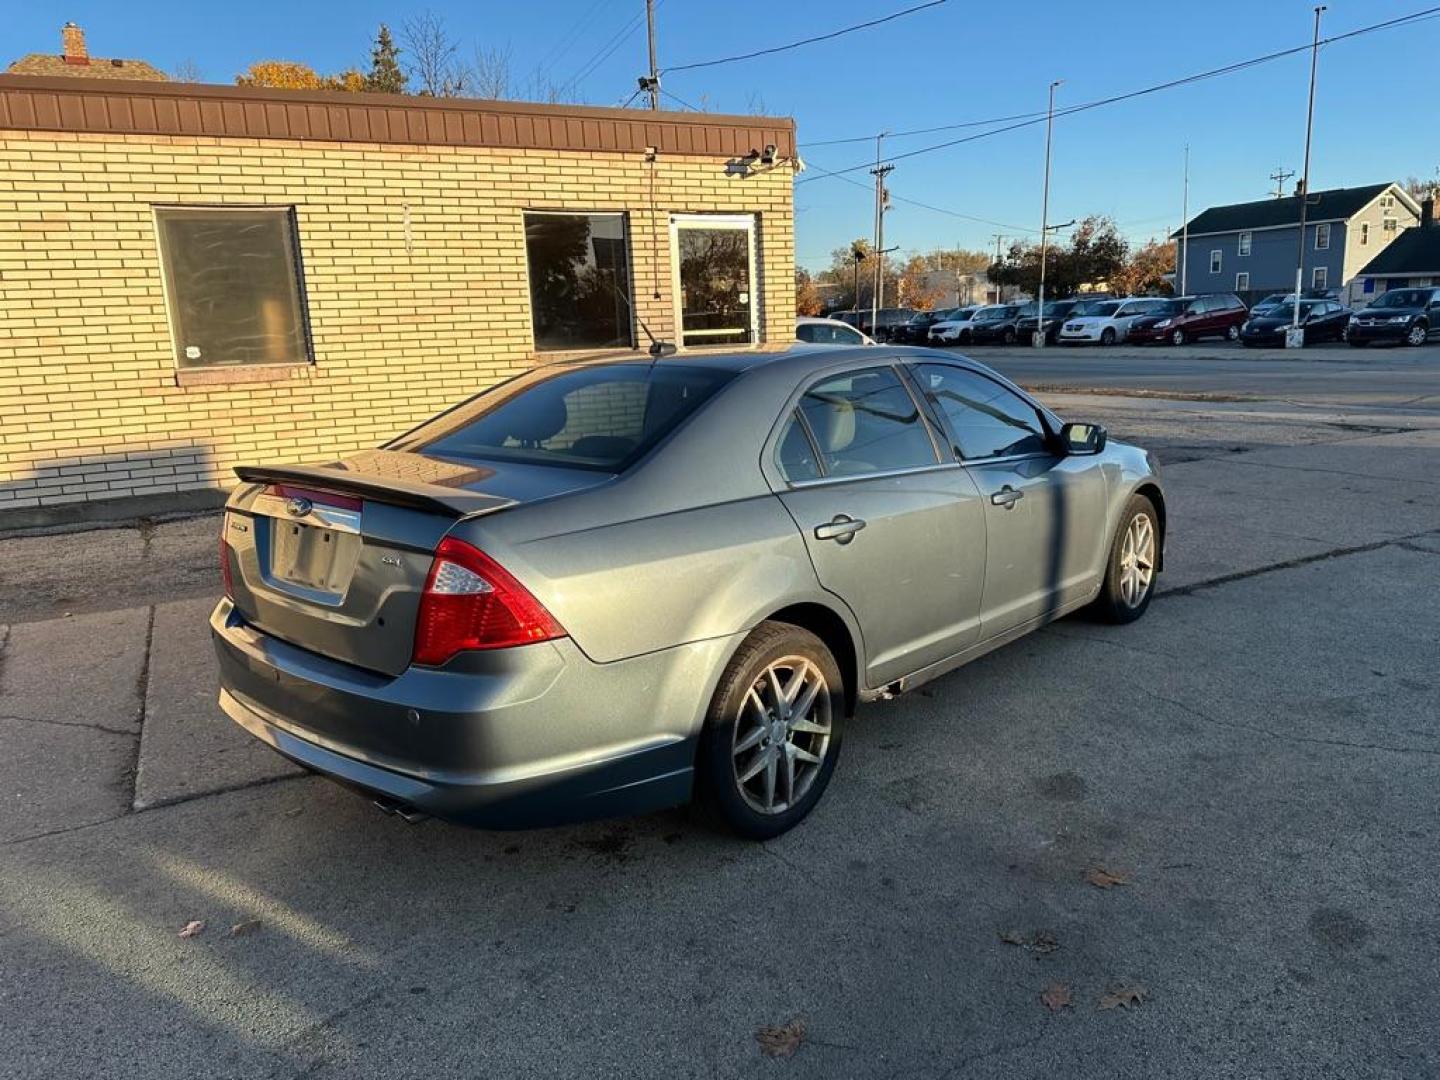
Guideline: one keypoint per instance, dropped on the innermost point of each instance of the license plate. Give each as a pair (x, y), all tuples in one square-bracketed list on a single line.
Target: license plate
[(310, 556)]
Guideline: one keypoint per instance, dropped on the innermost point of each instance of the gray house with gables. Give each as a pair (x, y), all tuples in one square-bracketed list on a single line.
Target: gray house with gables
[(1251, 248)]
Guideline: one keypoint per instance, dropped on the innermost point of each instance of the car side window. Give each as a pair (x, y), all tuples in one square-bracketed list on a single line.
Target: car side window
[(805, 332), (865, 422), (984, 418), (795, 454)]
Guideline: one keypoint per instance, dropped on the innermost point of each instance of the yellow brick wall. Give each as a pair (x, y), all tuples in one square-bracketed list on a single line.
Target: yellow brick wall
[(89, 405)]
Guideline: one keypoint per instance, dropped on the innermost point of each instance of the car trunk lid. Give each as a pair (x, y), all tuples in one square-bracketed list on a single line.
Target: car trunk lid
[(334, 558)]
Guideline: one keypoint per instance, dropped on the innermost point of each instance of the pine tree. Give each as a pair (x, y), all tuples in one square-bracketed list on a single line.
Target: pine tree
[(385, 75)]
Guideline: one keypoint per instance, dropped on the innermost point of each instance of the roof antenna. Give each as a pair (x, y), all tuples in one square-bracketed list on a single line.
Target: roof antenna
[(658, 348)]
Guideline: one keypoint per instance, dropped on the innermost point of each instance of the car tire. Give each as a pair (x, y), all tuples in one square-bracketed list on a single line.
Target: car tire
[(1107, 336), (1178, 337), (1125, 593), (729, 799), (1009, 337), (1233, 333), (1417, 335)]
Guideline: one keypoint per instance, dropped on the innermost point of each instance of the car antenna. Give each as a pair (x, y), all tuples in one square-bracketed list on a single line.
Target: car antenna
[(658, 348)]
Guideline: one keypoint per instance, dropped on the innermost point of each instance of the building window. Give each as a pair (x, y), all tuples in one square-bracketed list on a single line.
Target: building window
[(1215, 258), (579, 280), (1387, 201), (1364, 233), (1322, 237), (1243, 247), (233, 285), (1242, 281), (1320, 277), (1389, 224)]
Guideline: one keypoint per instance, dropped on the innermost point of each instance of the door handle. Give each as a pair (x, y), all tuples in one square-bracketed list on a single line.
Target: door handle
[(1007, 497), (842, 529)]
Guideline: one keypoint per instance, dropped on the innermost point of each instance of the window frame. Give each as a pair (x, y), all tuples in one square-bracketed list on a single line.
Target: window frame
[(746, 222), (1242, 274), (1322, 229), (770, 453), (626, 236), (1243, 244), (1364, 234), (1217, 261), (209, 371), (1319, 277)]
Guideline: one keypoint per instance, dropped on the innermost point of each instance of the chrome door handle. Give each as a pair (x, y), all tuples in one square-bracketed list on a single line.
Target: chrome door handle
[(842, 529), (1007, 497)]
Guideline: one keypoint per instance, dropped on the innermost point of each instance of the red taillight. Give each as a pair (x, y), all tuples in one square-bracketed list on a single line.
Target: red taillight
[(472, 602), (225, 580)]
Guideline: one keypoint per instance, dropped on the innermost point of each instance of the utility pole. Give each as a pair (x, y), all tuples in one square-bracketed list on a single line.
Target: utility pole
[(1185, 228), (1280, 176), (654, 85), (1294, 339), (1039, 339), (879, 172), (999, 239)]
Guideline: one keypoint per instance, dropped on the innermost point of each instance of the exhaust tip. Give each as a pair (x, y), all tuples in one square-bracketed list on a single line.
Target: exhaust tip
[(399, 809)]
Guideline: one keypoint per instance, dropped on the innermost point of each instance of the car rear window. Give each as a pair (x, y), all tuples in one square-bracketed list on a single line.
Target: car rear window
[(603, 417)]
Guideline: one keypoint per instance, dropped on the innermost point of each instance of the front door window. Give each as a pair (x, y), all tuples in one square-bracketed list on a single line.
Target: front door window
[(715, 279)]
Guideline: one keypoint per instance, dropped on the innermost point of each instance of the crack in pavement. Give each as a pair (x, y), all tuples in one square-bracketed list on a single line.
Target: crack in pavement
[(1240, 460), (142, 694), (70, 724), (1200, 714), (226, 790)]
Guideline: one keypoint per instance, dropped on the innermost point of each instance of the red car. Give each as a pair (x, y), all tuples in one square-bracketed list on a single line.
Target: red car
[(1190, 318)]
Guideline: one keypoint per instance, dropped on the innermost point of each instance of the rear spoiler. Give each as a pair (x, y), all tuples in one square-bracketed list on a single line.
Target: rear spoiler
[(456, 502)]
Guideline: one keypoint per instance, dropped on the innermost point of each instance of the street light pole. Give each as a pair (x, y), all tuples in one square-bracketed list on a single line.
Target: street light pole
[(1039, 339), (1185, 228), (654, 74), (1294, 339)]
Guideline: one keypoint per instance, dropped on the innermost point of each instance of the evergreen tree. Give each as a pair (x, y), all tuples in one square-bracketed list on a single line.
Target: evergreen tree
[(385, 76)]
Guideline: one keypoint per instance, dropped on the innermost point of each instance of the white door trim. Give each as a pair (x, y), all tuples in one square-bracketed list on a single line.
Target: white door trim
[(745, 222)]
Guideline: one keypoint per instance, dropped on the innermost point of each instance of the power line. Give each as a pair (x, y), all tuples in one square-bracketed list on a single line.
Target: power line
[(679, 100), (807, 41), (606, 50), (924, 206), (1227, 69), (569, 40), (926, 131)]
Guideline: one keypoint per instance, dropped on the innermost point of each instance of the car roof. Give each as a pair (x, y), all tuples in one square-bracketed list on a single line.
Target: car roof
[(798, 355)]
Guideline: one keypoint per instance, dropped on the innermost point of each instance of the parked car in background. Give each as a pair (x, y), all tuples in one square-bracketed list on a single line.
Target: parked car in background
[(1270, 303), (954, 328), (1190, 318), (850, 317), (887, 322), (1107, 322), (1321, 320), (995, 323), (1056, 312), (917, 330), (1398, 315), (529, 610), (818, 331)]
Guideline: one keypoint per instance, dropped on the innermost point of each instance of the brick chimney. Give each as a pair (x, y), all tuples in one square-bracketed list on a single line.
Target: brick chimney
[(72, 40), (1427, 211)]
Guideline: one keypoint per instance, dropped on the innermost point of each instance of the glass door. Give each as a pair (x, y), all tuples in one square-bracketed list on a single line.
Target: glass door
[(713, 257)]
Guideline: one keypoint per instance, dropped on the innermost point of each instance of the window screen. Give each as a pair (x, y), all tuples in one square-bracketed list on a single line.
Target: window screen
[(579, 280), (233, 285), (985, 419), (865, 422)]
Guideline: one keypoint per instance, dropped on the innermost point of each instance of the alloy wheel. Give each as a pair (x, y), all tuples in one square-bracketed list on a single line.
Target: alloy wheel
[(782, 735), (1418, 334), (1137, 560)]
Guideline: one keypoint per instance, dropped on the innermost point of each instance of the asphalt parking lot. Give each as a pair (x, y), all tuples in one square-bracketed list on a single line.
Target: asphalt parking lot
[(1249, 771)]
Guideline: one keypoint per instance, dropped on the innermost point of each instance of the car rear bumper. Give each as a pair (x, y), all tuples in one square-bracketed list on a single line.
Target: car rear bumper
[(1078, 337), (530, 736)]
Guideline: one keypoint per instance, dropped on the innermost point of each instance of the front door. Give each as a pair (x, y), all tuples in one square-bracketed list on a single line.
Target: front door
[(714, 263), (1044, 512), (895, 534)]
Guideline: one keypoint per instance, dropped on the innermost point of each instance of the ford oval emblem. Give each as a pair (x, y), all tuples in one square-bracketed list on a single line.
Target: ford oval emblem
[(298, 507)]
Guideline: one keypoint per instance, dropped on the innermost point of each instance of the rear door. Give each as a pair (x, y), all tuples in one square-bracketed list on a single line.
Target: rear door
[(1044, 512), (893, 530)]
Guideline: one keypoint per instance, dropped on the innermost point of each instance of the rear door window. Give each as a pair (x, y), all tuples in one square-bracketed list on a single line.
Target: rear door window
[(984, 419), (860, 422)]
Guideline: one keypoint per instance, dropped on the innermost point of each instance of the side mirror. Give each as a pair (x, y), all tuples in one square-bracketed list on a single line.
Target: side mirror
[(1081, 439)]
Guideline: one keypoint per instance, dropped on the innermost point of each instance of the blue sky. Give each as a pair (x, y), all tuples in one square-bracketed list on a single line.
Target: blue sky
[(962, 61)]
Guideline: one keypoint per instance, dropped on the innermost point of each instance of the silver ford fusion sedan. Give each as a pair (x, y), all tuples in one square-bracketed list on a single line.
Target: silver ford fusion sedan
[(615, 585)]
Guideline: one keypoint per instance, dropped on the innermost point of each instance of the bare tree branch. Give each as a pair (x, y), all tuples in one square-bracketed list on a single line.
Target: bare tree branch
[(434, 62)]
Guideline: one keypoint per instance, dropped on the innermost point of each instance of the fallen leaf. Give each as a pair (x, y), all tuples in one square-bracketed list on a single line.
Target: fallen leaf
[(1037, 941), (1106, 879), (247, 926), (192, 928), (1123, 996), (1056, 996), (782, 1041)]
